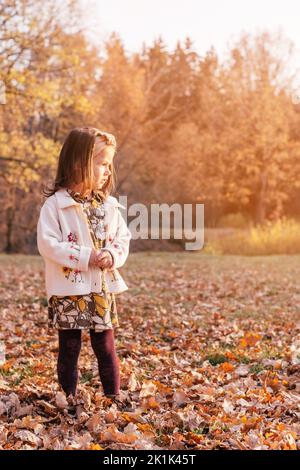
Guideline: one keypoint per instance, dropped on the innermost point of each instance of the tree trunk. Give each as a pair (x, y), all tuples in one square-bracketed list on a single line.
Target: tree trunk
[(10, 213), (261, 205)]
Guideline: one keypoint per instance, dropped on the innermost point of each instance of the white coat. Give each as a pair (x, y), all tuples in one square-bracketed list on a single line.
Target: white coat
[(65, 243)]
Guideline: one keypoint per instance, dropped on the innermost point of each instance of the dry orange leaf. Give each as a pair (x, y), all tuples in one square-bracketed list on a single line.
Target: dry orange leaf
[(227, 367), (96, 447), (249, 339), (7, 365), (112, 434)]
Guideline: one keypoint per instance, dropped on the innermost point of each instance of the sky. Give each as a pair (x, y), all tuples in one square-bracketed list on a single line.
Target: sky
[(208, 23)]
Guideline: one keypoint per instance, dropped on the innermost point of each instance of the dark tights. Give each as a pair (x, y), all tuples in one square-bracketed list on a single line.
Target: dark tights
[(104, 348)]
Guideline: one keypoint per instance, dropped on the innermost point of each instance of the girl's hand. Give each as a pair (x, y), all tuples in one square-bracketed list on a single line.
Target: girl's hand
[(104, 260)]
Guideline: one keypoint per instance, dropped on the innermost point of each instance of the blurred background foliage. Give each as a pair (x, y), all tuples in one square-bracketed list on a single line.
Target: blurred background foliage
[(190, 128)]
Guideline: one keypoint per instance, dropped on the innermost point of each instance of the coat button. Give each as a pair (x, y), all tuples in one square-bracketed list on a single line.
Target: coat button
[(95, 283)]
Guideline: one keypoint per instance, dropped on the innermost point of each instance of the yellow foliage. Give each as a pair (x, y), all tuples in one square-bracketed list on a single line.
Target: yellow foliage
[(278, 237)]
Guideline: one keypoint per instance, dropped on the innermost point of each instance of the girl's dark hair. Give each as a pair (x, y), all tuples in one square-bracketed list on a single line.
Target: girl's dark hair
[(75, 164)]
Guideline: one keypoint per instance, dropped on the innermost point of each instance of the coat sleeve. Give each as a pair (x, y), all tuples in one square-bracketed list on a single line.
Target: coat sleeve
[(51, 246), (119, 246)]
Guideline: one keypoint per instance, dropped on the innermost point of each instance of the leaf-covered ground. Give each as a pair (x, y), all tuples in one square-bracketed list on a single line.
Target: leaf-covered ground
[(209, 351)]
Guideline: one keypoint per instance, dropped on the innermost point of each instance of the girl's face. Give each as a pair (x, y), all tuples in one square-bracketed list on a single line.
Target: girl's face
[(102, 160)]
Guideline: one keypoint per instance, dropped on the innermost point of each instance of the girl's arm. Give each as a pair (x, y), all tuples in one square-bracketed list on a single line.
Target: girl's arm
[(119, 246), (51, 246)]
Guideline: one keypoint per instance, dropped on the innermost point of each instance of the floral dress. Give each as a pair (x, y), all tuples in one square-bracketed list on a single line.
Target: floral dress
[(96, 311)]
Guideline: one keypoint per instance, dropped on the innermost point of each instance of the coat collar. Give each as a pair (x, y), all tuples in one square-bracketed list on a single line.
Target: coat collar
[(65, 200)]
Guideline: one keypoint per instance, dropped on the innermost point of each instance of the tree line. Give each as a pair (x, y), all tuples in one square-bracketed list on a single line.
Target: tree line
[(190, 128)]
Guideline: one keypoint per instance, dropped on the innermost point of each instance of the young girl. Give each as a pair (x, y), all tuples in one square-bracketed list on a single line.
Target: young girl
[(83, 239)]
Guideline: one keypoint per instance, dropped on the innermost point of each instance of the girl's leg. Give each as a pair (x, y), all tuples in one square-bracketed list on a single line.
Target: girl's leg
[(69, 349), (103, 345)]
